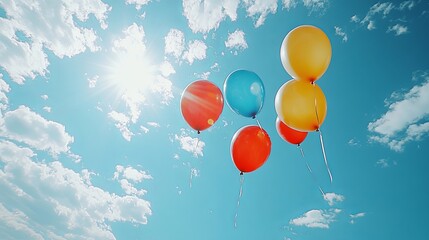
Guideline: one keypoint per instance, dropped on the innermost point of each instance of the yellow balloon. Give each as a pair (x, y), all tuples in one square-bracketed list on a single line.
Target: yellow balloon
[(301, 105), (306, 53)]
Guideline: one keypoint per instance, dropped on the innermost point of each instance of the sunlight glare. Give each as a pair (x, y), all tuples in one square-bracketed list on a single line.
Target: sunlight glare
[(132, 74)]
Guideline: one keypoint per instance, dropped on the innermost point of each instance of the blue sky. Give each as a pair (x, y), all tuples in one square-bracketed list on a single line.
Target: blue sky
[(93, 144)]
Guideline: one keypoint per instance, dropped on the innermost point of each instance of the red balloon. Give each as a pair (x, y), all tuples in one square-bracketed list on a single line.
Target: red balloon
[(201, 104), (250, 148), (290, 135)]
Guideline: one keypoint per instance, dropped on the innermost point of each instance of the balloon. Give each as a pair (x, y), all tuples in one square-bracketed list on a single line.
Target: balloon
[(244, 92), (250, 148), (301, 105), (201, 104), (305, 53), (288, 134)]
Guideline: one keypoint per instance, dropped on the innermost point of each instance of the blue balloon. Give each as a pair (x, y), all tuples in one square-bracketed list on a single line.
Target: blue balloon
[(244, 92)]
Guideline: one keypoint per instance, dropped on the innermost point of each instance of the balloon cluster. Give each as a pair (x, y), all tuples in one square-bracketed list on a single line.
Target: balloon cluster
[(300, 104)]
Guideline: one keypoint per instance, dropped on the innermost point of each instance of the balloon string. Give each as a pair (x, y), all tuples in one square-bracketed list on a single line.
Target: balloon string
[(320, 133), (311, 171), (324, 154), (315, 105), (240, 194), (257, 121)]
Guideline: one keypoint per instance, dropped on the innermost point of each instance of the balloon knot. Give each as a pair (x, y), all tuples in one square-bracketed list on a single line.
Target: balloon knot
[(254, 116), (198, 132), (241, 173)]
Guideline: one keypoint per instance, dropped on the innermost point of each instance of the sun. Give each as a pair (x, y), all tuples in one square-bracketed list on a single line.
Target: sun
[(131, 73)]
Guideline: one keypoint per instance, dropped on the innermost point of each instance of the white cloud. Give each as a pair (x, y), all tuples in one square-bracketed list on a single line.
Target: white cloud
[(260, 9), (174, 42), (353, 217), (288, 4), (204, 75), (358, 215), (121, 122), (196, 50), (44, 97), (398, 29), (138, 3), (355, 19), (153, 124), (190, 144), (407, 5), (383, 163), (4, 100), (333, 198), (48, 201), (353, 142), (316, 5), (131, 173), (92, 82), (47, 109), (46, 25), (132, 41), (126, 174), (167, 69), (205, 15), (405, 120), (341, 33), (163, 87), (236, 40), (382, 9), (371, 25), (20, 59), (28, 127), (316, 218)]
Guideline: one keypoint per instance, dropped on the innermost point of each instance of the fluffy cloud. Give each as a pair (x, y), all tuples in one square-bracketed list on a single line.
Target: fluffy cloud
[(405, 119), (126, 174), (333, 198), (28, 127), (138, 3), (122, 123), (196, 50), (4, 100), (130, 173), (316, 218), (260, 9), (55, 202), (407, 5), (353, 217), (45, 25), (190, 144), (288, 4), (398, 29), (174, 42), (341, 33), (316, 5), (205, 15), (236, 40), (382, 11)]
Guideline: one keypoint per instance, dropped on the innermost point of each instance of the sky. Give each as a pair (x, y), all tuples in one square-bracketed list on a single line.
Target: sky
[(93, 144)]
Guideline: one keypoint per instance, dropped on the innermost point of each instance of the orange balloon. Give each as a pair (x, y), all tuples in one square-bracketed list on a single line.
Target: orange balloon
[(301, 105), (201, 104), (250, 148), (288, 134), (306, 53)]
